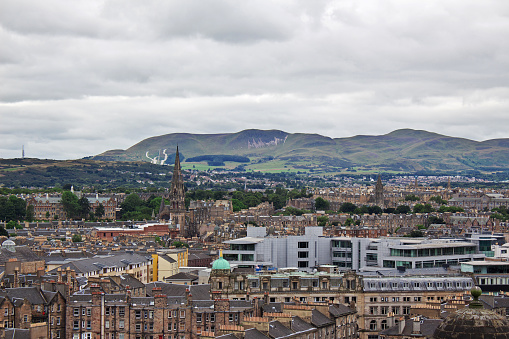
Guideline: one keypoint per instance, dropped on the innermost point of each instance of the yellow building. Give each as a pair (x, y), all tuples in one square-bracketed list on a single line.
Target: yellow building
[(168, 261)]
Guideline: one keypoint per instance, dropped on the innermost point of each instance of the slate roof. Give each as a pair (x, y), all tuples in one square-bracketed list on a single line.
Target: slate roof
[(340, 310), (32, 294), (273, 308), (428, 327), (278, 330), (253, 333), (319, 319), (182, 276), (299, 325), (22, 253), (16, 333), (198, 292), (89, 265)]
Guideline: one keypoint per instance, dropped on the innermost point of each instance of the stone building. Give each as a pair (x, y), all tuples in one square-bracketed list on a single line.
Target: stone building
[(374, 297), (26, 307), (50, 207)]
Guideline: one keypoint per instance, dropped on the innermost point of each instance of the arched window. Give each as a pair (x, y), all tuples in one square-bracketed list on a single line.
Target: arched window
[(372, 325), (383, 324)]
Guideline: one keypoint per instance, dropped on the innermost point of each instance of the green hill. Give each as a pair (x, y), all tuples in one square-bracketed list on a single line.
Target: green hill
[(404, 150)]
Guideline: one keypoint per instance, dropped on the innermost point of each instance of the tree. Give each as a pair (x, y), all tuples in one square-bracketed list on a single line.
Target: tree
[(99, 211), (70, 204), (347, 207), (84, 209), (412, 197), (321, 204), (3, 232), (29, 216), (12, 225), (179, 244), (402, 209), (438, 200), (435, 220), (322, 220), (76, 238)]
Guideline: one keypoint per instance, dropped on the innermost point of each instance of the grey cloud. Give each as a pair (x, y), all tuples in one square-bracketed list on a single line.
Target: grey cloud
[(95, 75)]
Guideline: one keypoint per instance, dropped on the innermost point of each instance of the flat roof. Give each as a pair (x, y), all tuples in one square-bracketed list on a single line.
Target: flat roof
[(486, 263), (246, 240)]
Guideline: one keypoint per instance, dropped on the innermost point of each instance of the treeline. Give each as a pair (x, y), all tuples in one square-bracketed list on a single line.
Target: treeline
[(218, 159)]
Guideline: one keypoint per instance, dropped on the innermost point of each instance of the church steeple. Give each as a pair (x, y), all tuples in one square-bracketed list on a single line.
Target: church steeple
[(379, 192), (176, 209)]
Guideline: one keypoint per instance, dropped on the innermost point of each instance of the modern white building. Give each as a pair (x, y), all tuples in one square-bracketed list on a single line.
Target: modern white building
[(257, 250), (312, 249)]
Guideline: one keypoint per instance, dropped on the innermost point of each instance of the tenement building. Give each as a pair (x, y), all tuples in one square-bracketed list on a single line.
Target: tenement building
[(374, 297)]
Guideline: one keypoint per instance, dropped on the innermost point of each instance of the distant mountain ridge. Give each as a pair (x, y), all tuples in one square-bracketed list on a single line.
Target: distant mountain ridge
[(404, 150)]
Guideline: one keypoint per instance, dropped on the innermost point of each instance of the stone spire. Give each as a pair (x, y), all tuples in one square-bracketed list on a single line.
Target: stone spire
[(379, 192), (176, 209)]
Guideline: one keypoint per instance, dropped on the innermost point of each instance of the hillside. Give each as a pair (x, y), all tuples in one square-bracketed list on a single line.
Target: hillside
[(403, 150)]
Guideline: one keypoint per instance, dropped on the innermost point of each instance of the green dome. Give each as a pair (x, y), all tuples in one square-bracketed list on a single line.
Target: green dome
[(220, 264)]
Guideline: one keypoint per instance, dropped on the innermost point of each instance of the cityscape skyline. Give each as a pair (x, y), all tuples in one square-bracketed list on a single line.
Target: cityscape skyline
[(82, 78)]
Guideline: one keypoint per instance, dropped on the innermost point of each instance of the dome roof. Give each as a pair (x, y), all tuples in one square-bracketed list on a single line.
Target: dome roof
[(220, 264), (473, 324)]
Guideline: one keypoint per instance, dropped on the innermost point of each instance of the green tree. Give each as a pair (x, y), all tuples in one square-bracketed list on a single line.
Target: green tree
[(12, 225), (180, 244), (70, 204), (99, 211), (412, 197), (322, 220), (347, 207), (403, 209), (438, 199), (3, 232), (237, 205), (435, 220), (321, 204), (29, 216), (76, 238), (84, 210)]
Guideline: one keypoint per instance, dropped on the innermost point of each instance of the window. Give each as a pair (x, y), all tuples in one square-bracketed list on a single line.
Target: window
[(418, 299), (212, 317), (58, 308), (121, 311), (25, 318), (303, 244), (121, 336), (302, 264), (107, 324), (138, 327), (373, 300), (383, 324), (121, 324), (303, 254), (151, 314), (182, 314), (89, 312), (89, 324), (230, 317), (58, 320), (76, 325), (107, 311), (137, 314), (406, 298), (198, 317), (76, 312), (373, 310), (372, 325)]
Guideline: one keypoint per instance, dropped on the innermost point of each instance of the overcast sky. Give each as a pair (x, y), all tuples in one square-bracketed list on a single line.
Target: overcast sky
[(81, 77)]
